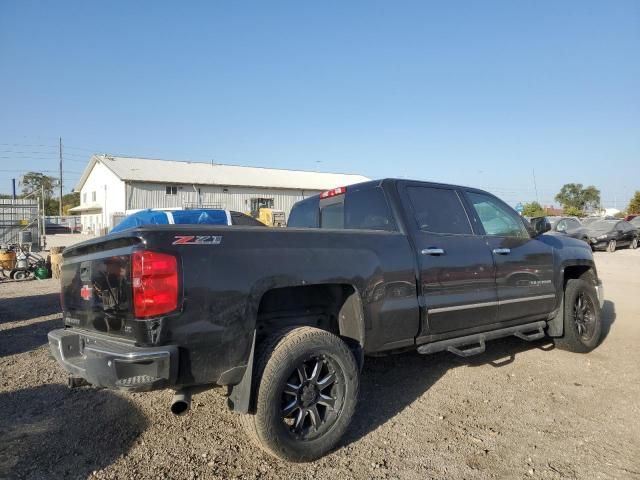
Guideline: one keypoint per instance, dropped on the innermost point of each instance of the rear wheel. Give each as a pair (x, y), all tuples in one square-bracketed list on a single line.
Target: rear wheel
[(611, 246), (305, 389), (634, 243), (582, 319)]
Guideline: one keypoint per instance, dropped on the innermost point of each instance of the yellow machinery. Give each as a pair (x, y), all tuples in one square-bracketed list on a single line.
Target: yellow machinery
[(271, 217)]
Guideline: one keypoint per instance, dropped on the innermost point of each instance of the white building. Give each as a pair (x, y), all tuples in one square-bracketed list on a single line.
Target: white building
[(110, 186)]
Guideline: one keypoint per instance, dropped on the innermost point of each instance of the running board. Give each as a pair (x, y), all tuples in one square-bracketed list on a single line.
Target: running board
[(529, 332)]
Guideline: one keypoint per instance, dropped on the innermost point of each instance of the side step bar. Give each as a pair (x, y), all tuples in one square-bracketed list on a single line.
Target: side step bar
[(529, 332)]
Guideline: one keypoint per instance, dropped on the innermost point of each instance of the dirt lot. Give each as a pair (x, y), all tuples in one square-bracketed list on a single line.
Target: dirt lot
[(518, 411)]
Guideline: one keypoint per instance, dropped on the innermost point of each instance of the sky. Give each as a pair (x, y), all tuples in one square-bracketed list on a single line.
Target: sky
[(466, 92)]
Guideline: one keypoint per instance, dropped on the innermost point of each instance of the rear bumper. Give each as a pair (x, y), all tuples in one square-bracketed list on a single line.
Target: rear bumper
[(104, 362)]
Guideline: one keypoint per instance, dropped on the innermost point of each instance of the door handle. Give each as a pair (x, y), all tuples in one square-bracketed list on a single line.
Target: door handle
[(502, 251), (433, 251)]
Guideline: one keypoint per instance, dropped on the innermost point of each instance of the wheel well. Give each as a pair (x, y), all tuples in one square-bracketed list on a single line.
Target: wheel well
[(584, 272), (336, 308)]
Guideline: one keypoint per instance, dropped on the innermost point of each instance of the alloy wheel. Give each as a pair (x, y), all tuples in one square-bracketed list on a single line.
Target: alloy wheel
[(584, 316), (312, 397)]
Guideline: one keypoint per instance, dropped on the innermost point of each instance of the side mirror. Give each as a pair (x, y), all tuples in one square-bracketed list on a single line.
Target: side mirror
[(540, 225)]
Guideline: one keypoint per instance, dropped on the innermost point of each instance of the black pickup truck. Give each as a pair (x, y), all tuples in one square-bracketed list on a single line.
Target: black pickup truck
[(285, 317)]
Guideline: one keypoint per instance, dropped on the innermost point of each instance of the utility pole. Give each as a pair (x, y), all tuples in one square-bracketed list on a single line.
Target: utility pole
[(60, 150), (535, 186), (44, 221)]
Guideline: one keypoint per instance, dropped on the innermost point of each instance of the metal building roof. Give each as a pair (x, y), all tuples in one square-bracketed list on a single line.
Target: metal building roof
[(172, 171)]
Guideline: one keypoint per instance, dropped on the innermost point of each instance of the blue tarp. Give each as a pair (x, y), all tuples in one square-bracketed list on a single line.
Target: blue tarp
[(180, 217)]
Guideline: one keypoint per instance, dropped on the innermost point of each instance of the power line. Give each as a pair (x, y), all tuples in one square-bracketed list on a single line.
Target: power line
[(17, 151), (26, 145)]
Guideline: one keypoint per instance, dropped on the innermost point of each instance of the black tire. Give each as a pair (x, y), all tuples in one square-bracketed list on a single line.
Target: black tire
[(20, 275), (279, 402), (582, 317), (611, 246), (634, 244)]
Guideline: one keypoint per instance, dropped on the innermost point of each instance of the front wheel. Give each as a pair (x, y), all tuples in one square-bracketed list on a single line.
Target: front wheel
[(305, 389), (582, 317), (634, 243), (611, 246)]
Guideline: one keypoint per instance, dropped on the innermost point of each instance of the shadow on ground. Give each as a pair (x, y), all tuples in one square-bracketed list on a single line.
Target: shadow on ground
[(608, 318), (53, 432), (27, 337), (25, 308), (390, 384)]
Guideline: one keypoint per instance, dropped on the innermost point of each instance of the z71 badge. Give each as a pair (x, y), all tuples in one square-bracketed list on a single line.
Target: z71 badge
[(197, 240)]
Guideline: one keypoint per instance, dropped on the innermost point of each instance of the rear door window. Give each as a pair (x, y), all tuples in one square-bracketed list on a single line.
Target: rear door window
[(438, 210), (368, 209)]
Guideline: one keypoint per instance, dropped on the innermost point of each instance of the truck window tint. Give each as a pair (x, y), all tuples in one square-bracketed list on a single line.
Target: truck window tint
[(304, 214), (368, 210), (438, 210), (332, 215), (496, 218)]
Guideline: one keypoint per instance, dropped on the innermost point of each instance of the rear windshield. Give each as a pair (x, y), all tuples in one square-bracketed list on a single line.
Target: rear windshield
[(304, 214), (360, 209)]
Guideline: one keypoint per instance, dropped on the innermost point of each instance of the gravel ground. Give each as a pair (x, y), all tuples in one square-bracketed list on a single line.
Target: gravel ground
[(520, 410)]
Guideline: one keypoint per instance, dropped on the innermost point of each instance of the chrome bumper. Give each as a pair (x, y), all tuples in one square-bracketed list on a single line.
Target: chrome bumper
[(105, 362)]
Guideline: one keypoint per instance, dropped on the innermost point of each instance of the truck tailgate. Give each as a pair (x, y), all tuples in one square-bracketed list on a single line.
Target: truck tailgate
[(96, 289)]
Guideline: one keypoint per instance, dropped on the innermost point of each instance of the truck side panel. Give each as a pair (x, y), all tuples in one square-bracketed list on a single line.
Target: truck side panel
[(224, 284)]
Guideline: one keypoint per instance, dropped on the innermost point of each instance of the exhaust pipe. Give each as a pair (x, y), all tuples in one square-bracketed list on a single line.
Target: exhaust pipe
[(181, 402), (76, 382)]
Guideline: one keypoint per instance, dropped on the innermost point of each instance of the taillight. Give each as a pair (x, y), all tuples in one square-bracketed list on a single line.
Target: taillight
[(334, 192), (154, 277)]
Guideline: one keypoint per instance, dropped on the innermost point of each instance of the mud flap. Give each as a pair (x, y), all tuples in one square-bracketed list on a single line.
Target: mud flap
[(555, 325), (239, 399)]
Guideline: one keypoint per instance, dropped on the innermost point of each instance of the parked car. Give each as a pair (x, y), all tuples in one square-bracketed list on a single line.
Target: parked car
[(635, 222), (569, 226), (285, 316), (611, 234), (51, 228), (562, 224)]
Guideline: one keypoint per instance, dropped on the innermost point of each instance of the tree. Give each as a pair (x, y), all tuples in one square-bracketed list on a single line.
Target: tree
[(533, 209), (35, 181), (575, 196), (572, 212), (634, 204), (70, 200)]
